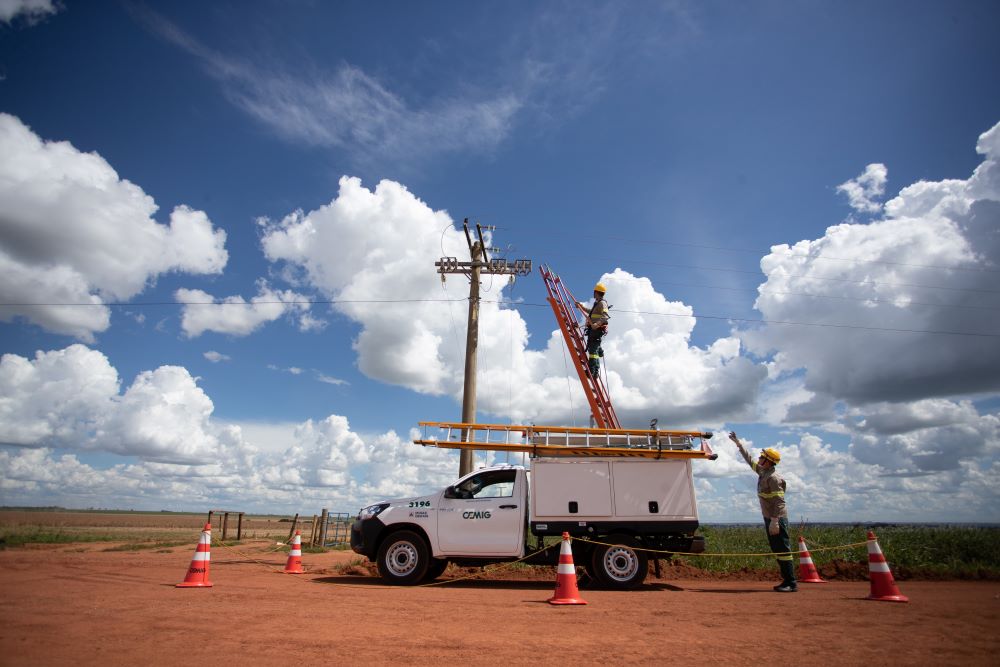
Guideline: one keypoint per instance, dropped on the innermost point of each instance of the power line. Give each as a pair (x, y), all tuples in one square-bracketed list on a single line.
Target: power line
[(728, 318), (762, 253), (816, 296), (791, 275), (296, 302)]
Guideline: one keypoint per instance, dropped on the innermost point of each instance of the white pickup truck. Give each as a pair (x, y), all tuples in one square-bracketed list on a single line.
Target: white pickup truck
[(503, 513)]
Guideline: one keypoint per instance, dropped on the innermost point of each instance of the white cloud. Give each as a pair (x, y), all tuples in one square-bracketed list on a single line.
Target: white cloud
[(825, 484), (31, 11), (895, 418), (930, 435), (394, 240), (325, 464), (865, 189), (929, 265), (189, 460), (60, 398), (235, 316), (70, 399), (216, 357), (348, 107), (74, 232)]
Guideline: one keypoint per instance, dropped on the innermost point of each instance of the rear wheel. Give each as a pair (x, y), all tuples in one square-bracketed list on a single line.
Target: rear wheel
[(619, 566), (403, 558)]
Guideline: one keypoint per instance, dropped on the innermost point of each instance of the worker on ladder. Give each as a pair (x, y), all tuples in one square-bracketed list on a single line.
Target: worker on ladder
[(596, 327)]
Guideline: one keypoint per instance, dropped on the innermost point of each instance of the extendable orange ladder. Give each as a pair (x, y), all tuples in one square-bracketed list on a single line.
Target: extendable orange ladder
[(564, 306)]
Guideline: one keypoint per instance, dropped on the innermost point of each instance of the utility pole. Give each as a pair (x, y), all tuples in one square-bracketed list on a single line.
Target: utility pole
[(480, 263)]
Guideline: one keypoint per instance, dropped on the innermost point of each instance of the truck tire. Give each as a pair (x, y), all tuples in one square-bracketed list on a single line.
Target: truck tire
[(403, 558), (618, 567), (436, 568)]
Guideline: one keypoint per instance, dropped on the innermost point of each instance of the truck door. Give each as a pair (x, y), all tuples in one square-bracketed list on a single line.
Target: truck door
[(483, 515)]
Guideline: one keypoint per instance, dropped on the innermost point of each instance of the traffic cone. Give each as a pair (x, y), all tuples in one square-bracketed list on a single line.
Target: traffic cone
[(197, 574), (883, 585), (566, 589), (807, 571), (294, 563)]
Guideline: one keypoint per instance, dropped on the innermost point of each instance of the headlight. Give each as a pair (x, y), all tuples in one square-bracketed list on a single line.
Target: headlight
[(371, 511)]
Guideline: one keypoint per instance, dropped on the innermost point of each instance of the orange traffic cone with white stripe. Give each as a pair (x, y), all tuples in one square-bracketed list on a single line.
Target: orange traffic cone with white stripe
[(883, 585), (566, 589), (294, 563), (807, 571), (197, 574)]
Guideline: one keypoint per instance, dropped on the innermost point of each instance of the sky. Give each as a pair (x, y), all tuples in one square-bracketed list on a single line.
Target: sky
[(219, 223)]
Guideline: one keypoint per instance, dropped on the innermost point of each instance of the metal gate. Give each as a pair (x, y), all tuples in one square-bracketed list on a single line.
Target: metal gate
[(337, 529)]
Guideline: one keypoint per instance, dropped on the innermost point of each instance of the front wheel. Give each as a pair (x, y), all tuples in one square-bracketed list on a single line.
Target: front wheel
[(620, 566), (403, 558), (436, 568)]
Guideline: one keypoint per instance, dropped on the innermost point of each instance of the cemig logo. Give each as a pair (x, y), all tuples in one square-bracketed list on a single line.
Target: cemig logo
[(485, 514)]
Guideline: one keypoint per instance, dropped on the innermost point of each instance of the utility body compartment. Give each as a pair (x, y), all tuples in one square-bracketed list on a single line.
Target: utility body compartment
[(588, 496)]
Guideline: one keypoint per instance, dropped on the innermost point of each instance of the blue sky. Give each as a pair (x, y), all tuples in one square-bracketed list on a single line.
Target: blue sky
[(218, 225)]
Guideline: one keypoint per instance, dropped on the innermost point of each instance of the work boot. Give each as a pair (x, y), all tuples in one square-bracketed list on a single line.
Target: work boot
[(787, 584)]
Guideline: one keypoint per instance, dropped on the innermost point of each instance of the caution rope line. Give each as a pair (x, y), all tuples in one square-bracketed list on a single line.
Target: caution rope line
[(485, 570), (768, 554), (499, 567), (249, 557), (507, 565)]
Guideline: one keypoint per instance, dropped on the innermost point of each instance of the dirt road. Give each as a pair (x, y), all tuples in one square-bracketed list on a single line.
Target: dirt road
[(82, 606)]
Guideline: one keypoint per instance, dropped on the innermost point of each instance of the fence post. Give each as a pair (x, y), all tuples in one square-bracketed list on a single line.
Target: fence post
[(225, 525), (295, 522), (239, 527), (323, 518), (312, 533)]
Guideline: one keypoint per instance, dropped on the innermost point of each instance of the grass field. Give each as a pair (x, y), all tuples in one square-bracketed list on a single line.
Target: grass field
[(946, 551), (139, 529), (922, 551)]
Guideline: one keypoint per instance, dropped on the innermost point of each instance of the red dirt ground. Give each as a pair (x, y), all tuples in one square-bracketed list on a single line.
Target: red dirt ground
[(83, 606)]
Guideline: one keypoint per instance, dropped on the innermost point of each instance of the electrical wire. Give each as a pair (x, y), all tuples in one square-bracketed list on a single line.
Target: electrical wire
[(697, 316), (762, 253), (730, 318), (619, 260), (861, 299)]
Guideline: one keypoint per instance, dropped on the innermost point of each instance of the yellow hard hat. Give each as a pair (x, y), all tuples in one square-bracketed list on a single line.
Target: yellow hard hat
[(599, 287), (771, 455)]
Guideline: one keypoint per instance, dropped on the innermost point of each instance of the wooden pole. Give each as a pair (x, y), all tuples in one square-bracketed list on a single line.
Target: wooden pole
[(239, 527), (312, 533), (323, 517), (225, 525), (295, 522), (467, 456)]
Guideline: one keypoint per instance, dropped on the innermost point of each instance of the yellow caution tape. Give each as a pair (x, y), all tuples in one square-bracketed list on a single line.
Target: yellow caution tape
[(767, 554)]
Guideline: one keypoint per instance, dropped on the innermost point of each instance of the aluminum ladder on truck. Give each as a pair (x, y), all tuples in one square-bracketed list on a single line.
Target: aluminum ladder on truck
[(564, 306), (568, 441)]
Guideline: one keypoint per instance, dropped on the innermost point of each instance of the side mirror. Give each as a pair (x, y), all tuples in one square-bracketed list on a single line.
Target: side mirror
[(451, 492)]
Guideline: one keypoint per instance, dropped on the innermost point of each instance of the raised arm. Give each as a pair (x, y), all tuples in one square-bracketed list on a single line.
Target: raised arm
[(743, 450)]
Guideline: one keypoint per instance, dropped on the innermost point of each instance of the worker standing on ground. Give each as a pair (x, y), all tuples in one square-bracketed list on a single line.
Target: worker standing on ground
[(596, 327), (771, 493)]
